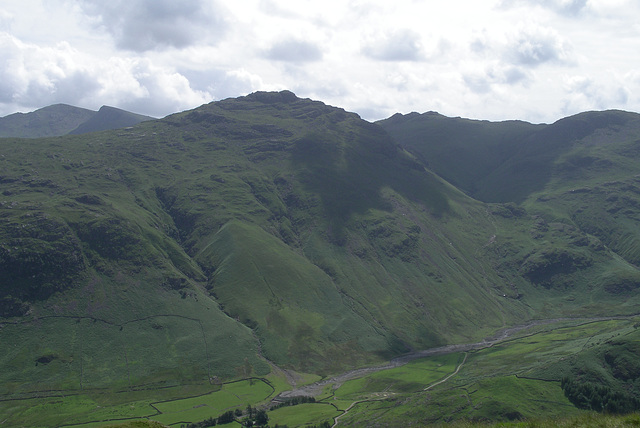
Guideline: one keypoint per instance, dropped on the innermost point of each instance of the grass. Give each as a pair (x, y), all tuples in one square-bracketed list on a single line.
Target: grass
[(517, 379), (232, 396), (88, 410), (410, 378), (181, 253), (303, 415), (99, 353), (250, 213)]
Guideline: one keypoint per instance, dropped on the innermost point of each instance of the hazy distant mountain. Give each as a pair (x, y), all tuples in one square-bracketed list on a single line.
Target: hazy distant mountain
[(109, 118), (58, 119), (62, 119)]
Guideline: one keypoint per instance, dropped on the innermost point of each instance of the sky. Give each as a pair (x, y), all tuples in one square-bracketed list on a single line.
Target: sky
[(532, 60)]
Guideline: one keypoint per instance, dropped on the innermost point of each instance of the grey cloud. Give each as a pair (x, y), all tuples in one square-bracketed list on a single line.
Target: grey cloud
[(218, 82), (73, 89), (292, 50), (513, 75), (34, 77), (399, 45), (535, 46), (143, 25), (585, 92), (478, 45), (571, 7), (562, 7), (483, 82), (479, 84), (70, 89)]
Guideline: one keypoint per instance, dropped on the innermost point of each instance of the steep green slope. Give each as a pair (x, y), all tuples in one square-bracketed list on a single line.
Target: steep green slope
[(343, 196), (580, 171), (554, 151), (191, 248)]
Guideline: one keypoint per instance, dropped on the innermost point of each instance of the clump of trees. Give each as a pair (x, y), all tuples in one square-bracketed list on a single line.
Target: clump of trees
[(255, 417), (598, 397), (294, 401), (252, 418)]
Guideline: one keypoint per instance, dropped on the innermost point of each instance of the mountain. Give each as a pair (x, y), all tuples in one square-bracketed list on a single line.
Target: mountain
[(58, 119), (269, 231), (581, 169), (109, 118), (62, 119), (506, 161), (465, 152)]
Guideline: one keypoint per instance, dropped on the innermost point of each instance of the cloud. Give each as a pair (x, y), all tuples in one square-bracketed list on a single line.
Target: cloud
[(586, 93), (144, 25), (220, 83), (568, 7), (272, 8), (294, 50), (165, 92), (562, 7), (6, 20), (32, 77), (395, 45), (485, 81), (137, 84), (535, 45)]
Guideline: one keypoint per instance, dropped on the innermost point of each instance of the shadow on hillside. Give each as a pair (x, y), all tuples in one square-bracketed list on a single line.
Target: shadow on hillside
[(348, 175), (536, 162)]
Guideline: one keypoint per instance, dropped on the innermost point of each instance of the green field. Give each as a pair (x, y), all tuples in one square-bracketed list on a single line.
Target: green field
[(90, 411), (518, 378), (303, 414)]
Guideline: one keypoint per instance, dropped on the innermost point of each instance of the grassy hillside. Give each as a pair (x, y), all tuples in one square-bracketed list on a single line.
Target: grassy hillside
[(58, 119), (462, 151), (517, 382), (265, 230), (579, 173), (508, 161)]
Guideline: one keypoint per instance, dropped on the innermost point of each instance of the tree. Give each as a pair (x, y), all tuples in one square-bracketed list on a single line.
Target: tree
[(261, 417), (226, 418)]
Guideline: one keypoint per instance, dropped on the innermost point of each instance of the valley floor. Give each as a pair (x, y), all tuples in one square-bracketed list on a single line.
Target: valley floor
[(507, 377)]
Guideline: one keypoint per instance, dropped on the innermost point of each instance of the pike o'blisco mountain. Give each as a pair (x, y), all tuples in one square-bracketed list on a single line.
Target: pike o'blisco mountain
[(62, 119), (270, 232)]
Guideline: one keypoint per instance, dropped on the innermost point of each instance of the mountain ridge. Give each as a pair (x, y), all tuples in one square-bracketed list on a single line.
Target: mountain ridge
[(271, 230), (484, 148), (62, 119)]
